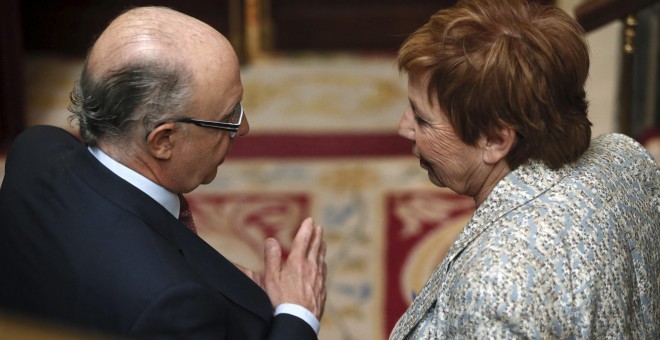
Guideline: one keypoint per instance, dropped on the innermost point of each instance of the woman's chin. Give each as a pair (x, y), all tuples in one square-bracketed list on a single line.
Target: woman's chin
[(436, 181)]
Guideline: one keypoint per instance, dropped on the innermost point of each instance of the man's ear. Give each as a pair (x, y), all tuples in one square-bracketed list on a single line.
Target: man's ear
[(160, 142), (496, 148)]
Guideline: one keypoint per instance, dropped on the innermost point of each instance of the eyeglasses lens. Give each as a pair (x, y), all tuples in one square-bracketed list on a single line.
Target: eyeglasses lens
[(235, 114)]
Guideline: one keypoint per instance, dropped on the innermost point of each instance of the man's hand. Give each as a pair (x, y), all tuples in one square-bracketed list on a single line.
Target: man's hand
[(301, 278)]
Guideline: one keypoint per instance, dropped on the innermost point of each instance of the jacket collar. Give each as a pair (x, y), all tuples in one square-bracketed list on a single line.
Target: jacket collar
[(522, 185)]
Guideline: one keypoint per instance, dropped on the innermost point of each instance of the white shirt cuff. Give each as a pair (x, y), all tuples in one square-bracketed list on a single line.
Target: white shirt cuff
[(301, 312)]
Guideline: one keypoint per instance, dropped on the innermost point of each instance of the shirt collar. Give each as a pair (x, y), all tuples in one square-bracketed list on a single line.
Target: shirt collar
[(167, 199)]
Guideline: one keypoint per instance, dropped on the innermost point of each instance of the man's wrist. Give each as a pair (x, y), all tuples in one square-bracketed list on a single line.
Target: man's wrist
[(300, 312)]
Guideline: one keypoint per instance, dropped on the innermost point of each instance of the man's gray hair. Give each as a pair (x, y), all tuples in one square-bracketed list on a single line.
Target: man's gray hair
[(110, 108)]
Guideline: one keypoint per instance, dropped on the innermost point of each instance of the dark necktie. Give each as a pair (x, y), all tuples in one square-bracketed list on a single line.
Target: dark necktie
[(185, 214)]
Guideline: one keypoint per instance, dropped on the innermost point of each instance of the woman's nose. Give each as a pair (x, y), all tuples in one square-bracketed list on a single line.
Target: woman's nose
[(406, 128)]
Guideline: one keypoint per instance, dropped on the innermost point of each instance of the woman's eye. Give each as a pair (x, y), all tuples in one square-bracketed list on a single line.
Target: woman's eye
[(419, 120)]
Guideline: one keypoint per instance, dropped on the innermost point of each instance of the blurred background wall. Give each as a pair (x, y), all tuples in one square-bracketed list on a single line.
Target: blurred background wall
[(256, 27)]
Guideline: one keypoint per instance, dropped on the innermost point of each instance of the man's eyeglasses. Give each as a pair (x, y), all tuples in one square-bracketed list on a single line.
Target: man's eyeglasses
[(232, 125)]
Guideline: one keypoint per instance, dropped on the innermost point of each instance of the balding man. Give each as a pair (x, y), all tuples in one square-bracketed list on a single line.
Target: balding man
[(90, 233)]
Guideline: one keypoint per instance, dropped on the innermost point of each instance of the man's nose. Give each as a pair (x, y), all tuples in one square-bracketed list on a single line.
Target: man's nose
[(245, 126)]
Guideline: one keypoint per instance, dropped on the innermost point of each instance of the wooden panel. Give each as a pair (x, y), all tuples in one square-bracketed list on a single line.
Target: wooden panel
[(348, 25), (12, 105), (594, 13), (70, 26)]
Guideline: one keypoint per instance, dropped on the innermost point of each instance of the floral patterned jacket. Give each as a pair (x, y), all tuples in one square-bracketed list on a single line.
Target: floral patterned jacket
[(568, 253)]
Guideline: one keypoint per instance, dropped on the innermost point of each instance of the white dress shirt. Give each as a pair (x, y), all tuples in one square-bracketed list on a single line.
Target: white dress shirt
[(170, 201)]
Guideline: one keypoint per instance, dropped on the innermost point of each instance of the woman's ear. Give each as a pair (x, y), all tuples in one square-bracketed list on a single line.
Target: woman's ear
[(160, 142), (496, 148)]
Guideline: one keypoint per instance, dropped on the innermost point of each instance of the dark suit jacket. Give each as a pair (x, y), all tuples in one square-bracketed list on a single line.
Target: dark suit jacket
[(81, 246)]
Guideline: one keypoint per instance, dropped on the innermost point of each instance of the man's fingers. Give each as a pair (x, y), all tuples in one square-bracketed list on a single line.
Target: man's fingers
[(300, 279), (321, 259), (302, 239), (317, 240), (272, 256)]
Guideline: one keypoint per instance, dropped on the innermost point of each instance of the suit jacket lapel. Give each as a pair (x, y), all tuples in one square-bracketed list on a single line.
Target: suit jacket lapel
[(210, 265), (220, 273), (122, 193), (420, 306)]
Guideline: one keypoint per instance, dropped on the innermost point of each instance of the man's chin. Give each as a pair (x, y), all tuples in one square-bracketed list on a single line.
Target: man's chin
[(208, 179)]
